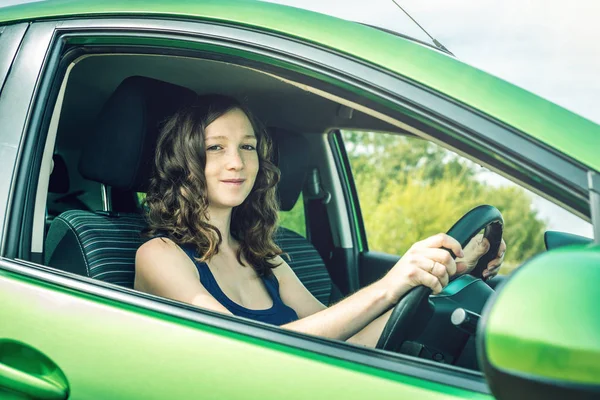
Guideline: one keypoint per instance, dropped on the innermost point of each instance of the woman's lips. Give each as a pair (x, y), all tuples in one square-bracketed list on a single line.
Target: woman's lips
[(235, 182)]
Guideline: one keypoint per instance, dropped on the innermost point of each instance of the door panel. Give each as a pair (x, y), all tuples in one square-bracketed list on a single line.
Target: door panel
[(374, 265), (109, 350)]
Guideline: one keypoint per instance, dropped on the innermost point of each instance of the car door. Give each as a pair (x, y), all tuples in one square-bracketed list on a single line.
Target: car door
[(63, 335)]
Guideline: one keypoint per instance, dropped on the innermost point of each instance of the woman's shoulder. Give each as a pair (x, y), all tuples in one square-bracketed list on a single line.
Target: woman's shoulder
[(281, 267), (158, 243), (158, 247)]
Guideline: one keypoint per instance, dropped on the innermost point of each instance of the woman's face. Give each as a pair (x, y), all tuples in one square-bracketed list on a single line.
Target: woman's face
[(231, 159)]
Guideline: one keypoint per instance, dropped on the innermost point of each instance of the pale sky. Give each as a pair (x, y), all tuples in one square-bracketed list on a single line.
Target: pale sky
[(548, 47)]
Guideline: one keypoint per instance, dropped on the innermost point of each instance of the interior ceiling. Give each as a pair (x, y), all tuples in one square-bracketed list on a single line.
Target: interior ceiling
[(274, 102)]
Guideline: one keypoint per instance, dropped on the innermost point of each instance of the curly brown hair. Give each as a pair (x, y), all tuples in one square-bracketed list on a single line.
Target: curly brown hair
[(177, 198)]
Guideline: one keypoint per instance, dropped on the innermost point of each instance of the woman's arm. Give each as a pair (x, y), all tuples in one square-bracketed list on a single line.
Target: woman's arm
[(163, 269), (305, 304), (339, 321), (369, 334), (477, 247), (425, 263)]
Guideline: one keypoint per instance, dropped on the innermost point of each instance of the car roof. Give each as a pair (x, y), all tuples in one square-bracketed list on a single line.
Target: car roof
[(541, 119)]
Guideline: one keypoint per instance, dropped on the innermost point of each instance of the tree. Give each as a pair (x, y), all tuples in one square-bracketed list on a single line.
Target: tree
[(294, 219), (410, 188)]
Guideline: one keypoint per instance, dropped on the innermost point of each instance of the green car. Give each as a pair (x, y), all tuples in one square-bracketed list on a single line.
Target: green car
[(84, 86)]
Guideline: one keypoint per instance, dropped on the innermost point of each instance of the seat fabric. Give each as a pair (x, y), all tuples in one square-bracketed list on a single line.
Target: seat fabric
[(96, 245)]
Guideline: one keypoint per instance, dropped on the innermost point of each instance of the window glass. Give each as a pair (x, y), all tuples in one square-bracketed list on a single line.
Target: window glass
[(294, 219), (410, 188)]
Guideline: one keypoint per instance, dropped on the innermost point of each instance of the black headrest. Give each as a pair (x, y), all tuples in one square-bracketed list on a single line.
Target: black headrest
[(291, 156), (59, 178), (120, 150)]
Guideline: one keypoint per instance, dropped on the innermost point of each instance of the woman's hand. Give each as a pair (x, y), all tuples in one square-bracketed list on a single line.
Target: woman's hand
[(475, 249), (425, 263)]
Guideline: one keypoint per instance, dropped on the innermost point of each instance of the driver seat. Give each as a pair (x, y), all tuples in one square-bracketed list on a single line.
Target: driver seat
[(119, 154)]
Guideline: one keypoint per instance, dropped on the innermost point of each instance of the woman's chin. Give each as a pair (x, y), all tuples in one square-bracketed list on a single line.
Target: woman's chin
[(229, 203)]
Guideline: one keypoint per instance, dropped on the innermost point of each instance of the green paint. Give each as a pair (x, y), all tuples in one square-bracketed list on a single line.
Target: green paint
[(541, 119), (550, 330)]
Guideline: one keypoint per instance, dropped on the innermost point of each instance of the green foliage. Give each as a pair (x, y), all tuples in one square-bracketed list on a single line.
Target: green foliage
[(294, 219), (410, 189)]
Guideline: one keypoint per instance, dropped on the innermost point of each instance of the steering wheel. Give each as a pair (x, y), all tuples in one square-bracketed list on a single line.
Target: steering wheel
[(412, 313)]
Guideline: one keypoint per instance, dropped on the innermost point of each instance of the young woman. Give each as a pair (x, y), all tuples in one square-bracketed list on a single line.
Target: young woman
[(213, 212)]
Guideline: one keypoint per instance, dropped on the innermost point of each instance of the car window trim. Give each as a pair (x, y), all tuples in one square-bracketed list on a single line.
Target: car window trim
[(344, 169), (489, 136)]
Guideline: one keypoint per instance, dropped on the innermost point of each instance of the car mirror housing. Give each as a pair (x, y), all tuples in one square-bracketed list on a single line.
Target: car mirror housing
[(531, 350)]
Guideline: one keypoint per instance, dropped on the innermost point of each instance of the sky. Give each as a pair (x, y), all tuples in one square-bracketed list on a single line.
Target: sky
[(548, 47)]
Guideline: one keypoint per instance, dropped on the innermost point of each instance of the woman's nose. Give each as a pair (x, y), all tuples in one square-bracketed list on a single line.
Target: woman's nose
[(235, 160)]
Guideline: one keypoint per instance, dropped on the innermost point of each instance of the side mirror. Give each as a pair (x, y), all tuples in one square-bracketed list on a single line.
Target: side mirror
[(539, 337)]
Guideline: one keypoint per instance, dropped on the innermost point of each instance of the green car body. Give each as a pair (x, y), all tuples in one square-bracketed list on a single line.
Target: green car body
[(110, 344)]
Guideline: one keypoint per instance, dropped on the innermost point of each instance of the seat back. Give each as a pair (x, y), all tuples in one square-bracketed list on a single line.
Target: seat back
[(97, 245), (102, 245), (118, 153)]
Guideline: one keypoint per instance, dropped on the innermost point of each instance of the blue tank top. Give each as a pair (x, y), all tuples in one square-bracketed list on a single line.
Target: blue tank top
[(278, 314)]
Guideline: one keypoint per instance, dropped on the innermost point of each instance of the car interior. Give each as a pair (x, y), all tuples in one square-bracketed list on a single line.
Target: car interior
[(98, 171), (98, 159), (102, 244)]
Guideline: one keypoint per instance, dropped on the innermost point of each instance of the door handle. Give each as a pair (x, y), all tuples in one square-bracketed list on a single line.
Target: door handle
[(27, 371)]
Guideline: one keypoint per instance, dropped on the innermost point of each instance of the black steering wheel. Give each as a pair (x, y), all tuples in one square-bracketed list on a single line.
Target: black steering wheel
[(412, 313)]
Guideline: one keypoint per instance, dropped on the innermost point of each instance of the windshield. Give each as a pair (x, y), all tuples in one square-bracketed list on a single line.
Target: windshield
[(386, 15)]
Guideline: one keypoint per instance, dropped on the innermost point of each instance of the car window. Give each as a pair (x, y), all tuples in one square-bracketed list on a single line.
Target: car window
[(294, 219), (410, 188)]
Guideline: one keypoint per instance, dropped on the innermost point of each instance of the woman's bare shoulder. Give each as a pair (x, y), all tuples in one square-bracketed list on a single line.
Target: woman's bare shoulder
[(158, 248), (282, 268), (161, 266), (158, 244)]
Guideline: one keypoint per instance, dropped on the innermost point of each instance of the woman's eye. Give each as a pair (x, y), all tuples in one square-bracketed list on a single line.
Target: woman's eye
[(214, 147), (248, 147)]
